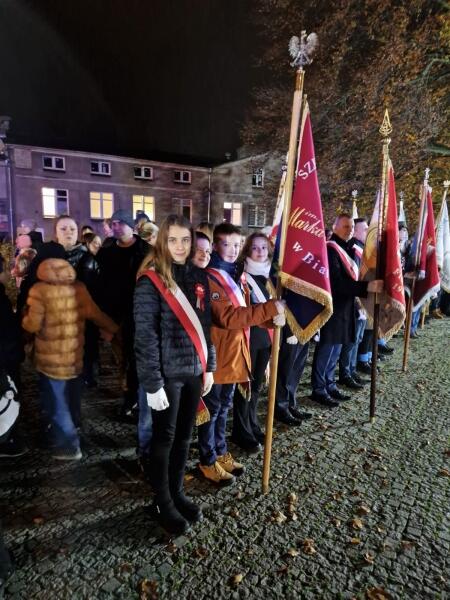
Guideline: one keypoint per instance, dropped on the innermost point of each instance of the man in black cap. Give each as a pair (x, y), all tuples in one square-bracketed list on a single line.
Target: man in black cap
[(119, 264)]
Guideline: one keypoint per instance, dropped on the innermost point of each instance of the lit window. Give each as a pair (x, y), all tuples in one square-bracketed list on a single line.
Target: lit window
[(54, 202), (256, 215), (99, 167), (53, 163), (258, 178), (182, 176), (102, 205), (144, 204), (183, 207), (143, 173), (232, 212)]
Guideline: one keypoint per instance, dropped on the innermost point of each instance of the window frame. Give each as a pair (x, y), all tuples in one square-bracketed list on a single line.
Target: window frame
[(182, 172), (54, 158), (55, 202), (101, 200), (257, 208), (235, 206), (99, 172), (143, 196), (258, 172), (142, 167)]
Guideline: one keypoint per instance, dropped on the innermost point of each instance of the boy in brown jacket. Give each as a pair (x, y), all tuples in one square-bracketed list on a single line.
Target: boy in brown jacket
[(57, 308), (232, 317)]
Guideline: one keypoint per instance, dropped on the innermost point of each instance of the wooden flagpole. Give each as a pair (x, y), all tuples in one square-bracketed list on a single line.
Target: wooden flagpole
[(301, 51), (414, 275), (385, 130)]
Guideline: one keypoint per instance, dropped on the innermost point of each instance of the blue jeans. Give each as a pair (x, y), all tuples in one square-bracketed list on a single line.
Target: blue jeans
[(145, 423), (323, 367), (415, 320), (61, 406), (349, 352), (211, 435)]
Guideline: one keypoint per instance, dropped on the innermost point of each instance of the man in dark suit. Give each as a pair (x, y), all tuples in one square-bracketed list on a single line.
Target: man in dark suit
[(341, 327)]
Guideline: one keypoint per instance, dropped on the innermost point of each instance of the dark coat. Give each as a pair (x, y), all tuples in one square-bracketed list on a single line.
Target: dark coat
[(88, 272), (162, 347), (340, 328), (11, 349), (259, 336), (74, 256), (117, 280)]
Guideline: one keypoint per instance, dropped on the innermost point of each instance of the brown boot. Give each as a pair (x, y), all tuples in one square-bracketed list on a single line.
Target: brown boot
[(216, 474), (230, 465)]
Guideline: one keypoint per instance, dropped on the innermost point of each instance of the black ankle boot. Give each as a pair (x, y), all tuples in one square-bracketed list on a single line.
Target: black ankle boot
[(188, 509), (168, 517)]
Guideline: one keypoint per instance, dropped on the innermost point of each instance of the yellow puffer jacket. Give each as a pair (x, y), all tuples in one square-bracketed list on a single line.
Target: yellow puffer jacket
[(57, 308)]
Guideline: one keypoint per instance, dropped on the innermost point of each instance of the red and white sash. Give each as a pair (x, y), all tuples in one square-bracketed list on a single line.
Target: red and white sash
[(358, 251), (259, 294), (349, 264), (184, 312), (228, 284)]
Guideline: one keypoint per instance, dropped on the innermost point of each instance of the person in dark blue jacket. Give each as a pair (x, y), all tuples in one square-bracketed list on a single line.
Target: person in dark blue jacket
[(175, 360)]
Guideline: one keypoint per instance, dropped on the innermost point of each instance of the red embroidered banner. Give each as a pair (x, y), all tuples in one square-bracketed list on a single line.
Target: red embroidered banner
[(304, 272)]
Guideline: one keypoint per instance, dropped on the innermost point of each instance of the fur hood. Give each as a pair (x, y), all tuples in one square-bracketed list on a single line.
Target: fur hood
[(56, 271)]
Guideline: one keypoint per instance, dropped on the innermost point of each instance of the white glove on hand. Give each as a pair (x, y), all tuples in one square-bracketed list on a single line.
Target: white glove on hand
[(158, 400), (292, 340), (209, 380), (279, 320)]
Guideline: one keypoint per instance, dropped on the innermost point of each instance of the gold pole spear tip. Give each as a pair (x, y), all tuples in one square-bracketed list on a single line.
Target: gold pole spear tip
[(386, 127)]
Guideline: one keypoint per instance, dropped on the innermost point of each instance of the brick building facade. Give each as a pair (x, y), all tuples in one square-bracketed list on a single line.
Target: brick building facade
[(41, 183)]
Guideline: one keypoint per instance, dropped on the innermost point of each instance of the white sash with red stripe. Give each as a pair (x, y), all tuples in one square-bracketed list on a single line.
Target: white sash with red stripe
[(349, 264), (231, 288), (185, 313), (358, 250), (259, 294)]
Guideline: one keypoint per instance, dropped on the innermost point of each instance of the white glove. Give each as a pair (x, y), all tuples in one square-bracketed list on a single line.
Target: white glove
[(279, 320), (291, 340), (209, 380), (158, 400)]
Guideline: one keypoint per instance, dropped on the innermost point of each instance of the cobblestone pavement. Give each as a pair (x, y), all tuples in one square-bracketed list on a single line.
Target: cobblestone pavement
[(354, 509)]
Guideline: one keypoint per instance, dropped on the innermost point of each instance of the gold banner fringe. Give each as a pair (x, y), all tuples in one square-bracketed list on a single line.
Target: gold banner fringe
[(202, 417), (314, 293)]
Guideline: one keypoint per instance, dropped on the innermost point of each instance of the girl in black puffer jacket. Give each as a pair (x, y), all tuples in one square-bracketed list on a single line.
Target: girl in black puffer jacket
[(173, 371)]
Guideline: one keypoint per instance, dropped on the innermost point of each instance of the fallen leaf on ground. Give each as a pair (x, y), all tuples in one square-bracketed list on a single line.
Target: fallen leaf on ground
[(278, 517), (308, 546), (360, 450), (293, 516), (369, 558), (292, 552), (363, 510), (188, 477), (384, 483), (337, 496), (239, 495), (234, 512), (283, 570), (444, 473), (200, 552), (356, 523), (381, 530), (236, 579), (355, 541), (171, 548), (407, 544), (355, 492), (292, 498), (309, 458), (336, 522), (377, 593), (38, 520), (148, 590), (447, 452), (126, 568)]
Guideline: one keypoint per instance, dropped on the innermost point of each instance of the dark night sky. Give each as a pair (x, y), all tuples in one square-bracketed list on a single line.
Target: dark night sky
[(132, 77)]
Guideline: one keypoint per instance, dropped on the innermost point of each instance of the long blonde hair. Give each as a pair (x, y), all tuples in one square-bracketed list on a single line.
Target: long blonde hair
[(160, 258)]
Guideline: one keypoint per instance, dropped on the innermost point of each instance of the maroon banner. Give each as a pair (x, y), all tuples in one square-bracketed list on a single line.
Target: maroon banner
[(428, 282), (305, 269)]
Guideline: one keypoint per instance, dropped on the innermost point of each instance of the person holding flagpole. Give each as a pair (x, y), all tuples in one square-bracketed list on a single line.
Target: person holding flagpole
[(341, 327), (175, 360)]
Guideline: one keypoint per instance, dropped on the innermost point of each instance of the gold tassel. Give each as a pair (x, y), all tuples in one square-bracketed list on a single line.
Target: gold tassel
[(202, 417)]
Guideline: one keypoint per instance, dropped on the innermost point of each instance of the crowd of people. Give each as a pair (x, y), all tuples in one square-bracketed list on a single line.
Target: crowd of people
[(190, 320)]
